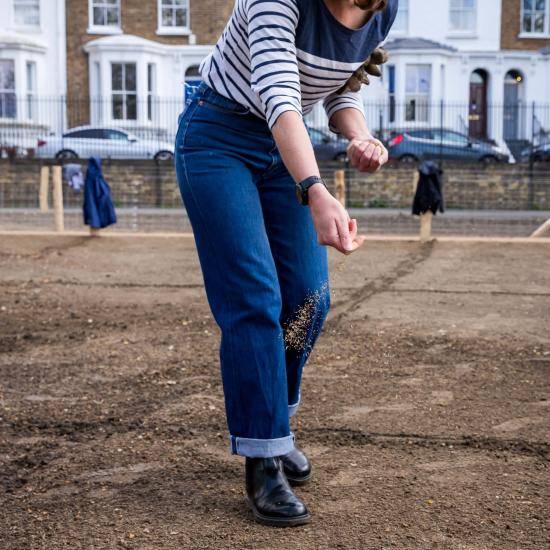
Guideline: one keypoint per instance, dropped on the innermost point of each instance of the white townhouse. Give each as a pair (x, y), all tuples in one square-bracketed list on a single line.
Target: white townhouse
[(131, 59), (476, 66), (32, 69)]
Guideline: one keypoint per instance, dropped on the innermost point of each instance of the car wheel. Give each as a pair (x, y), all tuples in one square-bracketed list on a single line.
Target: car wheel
[(164, 155), (489, 159), (408, 159), (66, 154)]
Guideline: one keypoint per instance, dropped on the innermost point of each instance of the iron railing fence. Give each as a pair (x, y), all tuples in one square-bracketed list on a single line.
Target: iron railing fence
[(416, 129)]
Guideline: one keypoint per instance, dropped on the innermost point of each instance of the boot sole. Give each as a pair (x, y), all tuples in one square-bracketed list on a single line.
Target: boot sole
[(298, 480), (278, 522)]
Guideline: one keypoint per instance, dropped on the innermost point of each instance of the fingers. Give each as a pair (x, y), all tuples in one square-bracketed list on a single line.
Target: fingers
[(358, 242), (343, 245), (368, 155), (335, 228), (346, 242), (369, 158), (355, 151), (352, 224)]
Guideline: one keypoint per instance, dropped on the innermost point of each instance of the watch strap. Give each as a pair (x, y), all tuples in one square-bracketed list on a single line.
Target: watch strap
[(304, 186)]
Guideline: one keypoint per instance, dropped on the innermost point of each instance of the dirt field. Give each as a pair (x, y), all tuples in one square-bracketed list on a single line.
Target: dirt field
[(426, 403)]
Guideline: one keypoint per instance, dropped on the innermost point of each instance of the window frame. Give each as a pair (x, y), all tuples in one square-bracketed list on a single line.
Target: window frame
[(103, 29), (10, 92), (17, 25), (402, 12), (173, 30), (463, 32), (420, 106), (391, 79), (124, 93), (31, 78), (152, 106), (529, 34)]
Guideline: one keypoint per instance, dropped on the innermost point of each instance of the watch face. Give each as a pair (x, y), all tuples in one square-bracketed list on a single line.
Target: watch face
[(299, 193)]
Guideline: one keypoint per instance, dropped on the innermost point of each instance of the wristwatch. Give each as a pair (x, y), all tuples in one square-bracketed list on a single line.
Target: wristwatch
[(302, 188)]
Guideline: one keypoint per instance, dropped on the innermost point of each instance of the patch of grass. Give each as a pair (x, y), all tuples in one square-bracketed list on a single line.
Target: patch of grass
[(379, 202)]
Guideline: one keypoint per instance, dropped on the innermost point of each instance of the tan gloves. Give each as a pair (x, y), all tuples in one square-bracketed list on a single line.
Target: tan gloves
[(370, 67)]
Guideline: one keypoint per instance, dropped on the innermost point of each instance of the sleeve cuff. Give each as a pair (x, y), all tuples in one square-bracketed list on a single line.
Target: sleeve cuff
[(279, 109)]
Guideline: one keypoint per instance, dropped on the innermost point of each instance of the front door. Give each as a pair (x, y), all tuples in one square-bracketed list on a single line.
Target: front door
[(478, 106), (511, 111)]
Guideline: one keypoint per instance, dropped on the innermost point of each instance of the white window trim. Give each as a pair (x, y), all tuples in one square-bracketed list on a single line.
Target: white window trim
[(16, 91), (28, 28), (428, 96), (526, 34), (103, 29), (123, 92), (172, 31), (402, 32), (463, 33)]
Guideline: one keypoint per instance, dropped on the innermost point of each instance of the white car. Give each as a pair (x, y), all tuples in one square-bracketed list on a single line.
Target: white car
[(88, 141)]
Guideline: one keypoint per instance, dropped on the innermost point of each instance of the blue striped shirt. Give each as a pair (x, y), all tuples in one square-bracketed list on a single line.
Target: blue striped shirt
[(286, 55)]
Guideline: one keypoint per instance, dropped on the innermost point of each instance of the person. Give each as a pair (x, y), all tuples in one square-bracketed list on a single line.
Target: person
[(262, 215)]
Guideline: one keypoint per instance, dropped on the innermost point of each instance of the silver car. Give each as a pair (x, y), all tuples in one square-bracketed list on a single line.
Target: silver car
[(88, 141)]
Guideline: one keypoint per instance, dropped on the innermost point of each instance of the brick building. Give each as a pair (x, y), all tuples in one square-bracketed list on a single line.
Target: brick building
[(525, 25), (32, 70), (127, 59), (124, 63)]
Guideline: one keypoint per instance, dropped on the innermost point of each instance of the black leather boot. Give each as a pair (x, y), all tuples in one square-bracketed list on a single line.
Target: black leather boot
[(270, 496), (296, 467)]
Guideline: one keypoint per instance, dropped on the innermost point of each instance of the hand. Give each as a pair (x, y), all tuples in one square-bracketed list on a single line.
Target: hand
[(332, 222), (367, 155)]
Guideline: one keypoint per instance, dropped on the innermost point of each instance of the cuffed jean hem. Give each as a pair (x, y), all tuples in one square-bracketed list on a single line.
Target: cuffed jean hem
[(293, 409), (261, 448)]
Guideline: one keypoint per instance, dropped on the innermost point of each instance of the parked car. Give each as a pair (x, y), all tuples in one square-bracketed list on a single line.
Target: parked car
[(327, 146), (87, 141), (434, 143), (539, 153)]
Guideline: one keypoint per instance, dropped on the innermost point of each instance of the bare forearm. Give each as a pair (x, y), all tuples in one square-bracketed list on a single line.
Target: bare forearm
[(351, 123), (293, 142), (332, 222), (365, 152)]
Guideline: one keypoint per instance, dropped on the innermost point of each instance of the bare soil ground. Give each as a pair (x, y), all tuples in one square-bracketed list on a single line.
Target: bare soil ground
[(426, 403)]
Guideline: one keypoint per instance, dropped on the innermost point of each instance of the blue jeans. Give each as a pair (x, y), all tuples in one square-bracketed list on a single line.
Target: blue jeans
[(261, 263)]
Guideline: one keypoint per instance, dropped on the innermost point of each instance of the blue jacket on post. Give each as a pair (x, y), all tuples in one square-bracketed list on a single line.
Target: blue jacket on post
[(99, 210)]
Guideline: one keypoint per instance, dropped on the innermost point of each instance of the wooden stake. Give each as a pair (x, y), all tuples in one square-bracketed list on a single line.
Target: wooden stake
[(426, 226), (544, 228), (58, 200), (340, 186), (44, 188)]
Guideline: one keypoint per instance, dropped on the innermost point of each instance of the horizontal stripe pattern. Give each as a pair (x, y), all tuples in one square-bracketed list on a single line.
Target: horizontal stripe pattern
[(256, 63)]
